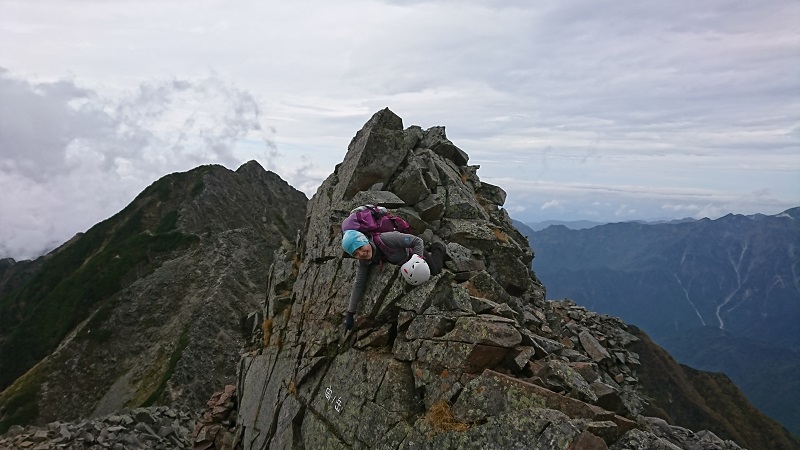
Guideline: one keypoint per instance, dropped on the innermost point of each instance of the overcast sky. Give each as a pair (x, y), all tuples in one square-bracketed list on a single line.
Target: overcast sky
[(598, 110)]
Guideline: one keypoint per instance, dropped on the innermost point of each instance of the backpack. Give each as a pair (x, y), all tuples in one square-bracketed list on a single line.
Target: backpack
[(374, 220), (370, 219)]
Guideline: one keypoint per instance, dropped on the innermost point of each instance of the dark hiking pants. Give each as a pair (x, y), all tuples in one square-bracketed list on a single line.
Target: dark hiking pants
[(435, 257)]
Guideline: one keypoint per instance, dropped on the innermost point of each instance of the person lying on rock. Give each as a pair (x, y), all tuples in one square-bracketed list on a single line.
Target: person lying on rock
[(405, 250)]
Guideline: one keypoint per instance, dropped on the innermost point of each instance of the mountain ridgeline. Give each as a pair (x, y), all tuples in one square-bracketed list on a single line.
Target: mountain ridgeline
[(234, 282), (720, 295), (144, 307)]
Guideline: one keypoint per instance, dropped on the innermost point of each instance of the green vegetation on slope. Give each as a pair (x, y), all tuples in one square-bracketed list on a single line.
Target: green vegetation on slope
[(173, 361), (21, 407), (19, 403), (73, 282)]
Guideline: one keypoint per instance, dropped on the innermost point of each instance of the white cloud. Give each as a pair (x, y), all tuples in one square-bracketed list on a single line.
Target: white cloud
[(625, 212), (552, 204)]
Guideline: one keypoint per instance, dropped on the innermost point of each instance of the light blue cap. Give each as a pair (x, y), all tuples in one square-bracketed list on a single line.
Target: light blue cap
[(353, 240)]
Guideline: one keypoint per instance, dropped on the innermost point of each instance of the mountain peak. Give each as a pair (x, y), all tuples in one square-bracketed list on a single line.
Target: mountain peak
[(145, 307), (477, 343), (253, 168)]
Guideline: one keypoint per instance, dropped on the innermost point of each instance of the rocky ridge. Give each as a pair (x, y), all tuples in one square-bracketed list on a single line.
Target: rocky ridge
[(474, 358), (155, 427), (159, 427)]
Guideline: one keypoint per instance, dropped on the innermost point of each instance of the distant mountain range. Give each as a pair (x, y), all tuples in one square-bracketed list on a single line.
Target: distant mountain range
[(584, 224), (571, 224), (721, 295)]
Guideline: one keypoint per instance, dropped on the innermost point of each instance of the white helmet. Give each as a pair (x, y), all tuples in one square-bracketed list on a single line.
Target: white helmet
[(416, 270)]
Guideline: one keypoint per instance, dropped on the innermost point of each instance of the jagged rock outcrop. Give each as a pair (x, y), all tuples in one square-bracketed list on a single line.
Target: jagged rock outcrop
[(149, 303), (473, 359), (217, 425)]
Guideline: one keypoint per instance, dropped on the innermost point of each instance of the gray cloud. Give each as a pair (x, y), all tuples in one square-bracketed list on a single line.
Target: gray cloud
[(38, 123), (71, 157), (614, 108)]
